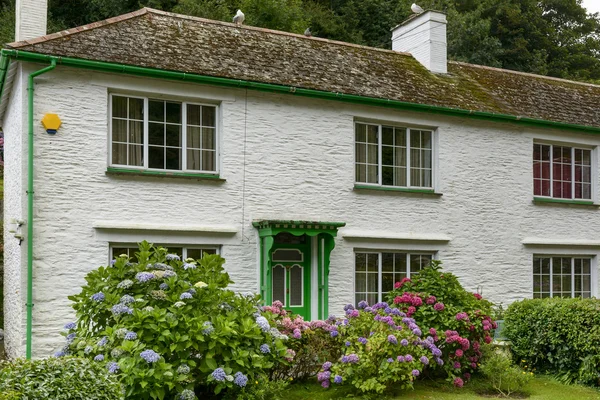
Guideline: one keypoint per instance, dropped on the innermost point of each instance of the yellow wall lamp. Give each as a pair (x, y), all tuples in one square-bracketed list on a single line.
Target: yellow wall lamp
[(51, 123)]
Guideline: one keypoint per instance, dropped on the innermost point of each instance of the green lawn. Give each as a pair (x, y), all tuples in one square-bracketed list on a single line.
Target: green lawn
[(541, 388)]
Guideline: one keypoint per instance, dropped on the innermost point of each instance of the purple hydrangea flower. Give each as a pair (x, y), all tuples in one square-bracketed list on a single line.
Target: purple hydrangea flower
[(334, 333), (219, 375), (324, 376), (150, 356), (348, 307), (392, 339), (112, 367), (70, 325), (415, 372), (60, 353), (436, 352), (297, 334), (363, 304), (408, 358), (171, 257), (99, 357), (390, 360), (98, 297), (362, 340), (240, 379), (350, 358), (337, 379), (264, 348), (439, 361), (456, 365), (404, 342), (119, 309), (127, 299), (424, 360), (163, 286), (70, 337), (326, 365), (113, 261), (263, 324), (400, 358), (347, 343), (325, 384), (387, 310), (130, 335), (417, 331), (103, 341), (144, 276), (186, 295)]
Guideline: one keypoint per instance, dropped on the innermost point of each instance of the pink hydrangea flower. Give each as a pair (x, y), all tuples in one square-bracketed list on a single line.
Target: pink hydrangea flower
[(439, 307), (431, 300), (458, 382)]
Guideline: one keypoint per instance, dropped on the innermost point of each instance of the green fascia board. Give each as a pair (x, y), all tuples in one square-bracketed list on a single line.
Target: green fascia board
[(565, 201), (296, 228), (277, 88)]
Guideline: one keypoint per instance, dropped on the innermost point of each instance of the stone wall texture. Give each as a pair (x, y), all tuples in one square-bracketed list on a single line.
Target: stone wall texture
[(282, 157)]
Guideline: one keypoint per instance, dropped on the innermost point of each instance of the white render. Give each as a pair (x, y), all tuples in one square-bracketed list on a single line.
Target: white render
[(297, 158), (424, 36), (31, 19)]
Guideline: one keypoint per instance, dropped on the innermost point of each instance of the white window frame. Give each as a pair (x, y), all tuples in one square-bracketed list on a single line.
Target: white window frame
[(573, 146), (184, 248), (184, 149), (408, 128), (380, 266), (572, 256)]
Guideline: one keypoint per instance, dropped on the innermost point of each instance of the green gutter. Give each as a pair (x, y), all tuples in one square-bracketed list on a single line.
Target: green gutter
[(267, 87), (30, 89)]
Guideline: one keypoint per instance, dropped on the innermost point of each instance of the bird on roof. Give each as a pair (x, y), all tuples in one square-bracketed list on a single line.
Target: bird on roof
[(307, 32), (416, 9), (239, 17)]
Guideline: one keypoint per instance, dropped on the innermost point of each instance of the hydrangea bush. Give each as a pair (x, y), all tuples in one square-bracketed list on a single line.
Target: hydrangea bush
[(458, 321), (382, 347), (309, 345), (169, 328)]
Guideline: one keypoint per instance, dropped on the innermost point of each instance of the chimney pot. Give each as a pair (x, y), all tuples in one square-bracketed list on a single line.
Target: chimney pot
[(424, 36)]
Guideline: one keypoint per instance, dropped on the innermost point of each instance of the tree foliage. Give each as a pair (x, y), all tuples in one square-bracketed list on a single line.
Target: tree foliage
[(552, 37)]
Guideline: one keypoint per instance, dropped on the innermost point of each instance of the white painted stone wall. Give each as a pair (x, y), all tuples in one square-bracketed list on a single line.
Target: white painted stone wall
[(297, 157), (31, 19)]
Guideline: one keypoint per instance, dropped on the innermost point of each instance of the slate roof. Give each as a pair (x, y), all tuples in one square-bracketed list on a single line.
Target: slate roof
[(157, 39)]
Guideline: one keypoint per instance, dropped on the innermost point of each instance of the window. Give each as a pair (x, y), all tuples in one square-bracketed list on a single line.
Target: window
[(376, 273), (562, 172), (562, 276), (163, 135), (393, 156), (184, 252)]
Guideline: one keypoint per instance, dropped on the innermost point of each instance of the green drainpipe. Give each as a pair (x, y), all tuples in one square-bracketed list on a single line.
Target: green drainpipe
[(30, 86)]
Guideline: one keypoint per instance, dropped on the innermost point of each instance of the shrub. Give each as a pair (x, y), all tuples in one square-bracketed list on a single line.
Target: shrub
[(58, 379), (382, 347), (560, 336), (458, 321), (262, 389), (169, 328), (310, 344), (503, 376)]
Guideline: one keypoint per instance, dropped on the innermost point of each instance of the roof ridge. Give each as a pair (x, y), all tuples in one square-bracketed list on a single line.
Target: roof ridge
[(273, 31), (512, 71), (77, 29)]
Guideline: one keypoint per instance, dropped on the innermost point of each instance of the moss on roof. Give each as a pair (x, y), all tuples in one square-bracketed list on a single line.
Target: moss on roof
[(167, 41)]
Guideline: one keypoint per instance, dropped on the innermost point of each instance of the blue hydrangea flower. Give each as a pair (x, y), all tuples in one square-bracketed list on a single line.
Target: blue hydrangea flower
[(326, 366), (337, 379), (348, 307), (183, 369), (424, 360), (70, 325), (334, 333), (348, 343), (88, 349), (163, 286), (127, 299), (98, 297), (60, 353), (417, 331), (390, 360), (169, 274), (392, 339), (119, 309), (71, 337), (103, 341), (362, 340), (363, 304), (113, 261), (191, 291), (263, 324), (219, 375), (187, 266), (171, 257), (130, 336), (99, 357), (150, 356), (187, 394), (404, 342), (112, 367), (264, 348), (208, 328), (436, 352), (144, 276), (186, 295), (240, 379)]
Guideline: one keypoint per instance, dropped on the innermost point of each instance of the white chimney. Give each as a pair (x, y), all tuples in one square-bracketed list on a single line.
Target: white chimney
[(31, 19), (424, 36)]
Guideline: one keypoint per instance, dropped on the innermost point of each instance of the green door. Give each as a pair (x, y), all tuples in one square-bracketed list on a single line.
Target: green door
[(290, 258)]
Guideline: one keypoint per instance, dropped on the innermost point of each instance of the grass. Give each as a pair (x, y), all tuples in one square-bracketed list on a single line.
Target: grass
[(540, 388)]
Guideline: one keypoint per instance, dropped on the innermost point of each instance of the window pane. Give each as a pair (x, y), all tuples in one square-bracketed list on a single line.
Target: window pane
[(387, 282), (209, 116), (296, 289), (361, 261), (119, 130), (372, 133), (136, 155), (387, 135), (156, 134), (208, 138), (279, 283), (360, 133), (156, 110), (193, 137), (193, 114), (173, 113), (360, 282), (119, 107), (197, 254), (208, 161), (136, 109), (372, 262), (174, 135), (119, 154), (193, 159), (136, 132), (156, 157), (173, 160), (372, 282)]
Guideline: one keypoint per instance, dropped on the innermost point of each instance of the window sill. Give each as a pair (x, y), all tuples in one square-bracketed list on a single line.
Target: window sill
[(359, 187), (544, 200), (165, 174)]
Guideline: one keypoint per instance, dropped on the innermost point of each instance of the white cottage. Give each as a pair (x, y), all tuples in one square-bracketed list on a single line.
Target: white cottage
[(322, 171)]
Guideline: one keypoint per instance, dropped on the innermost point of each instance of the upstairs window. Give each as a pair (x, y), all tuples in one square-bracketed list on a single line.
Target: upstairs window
[(163, 135), (562, 172), (393, 156)]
